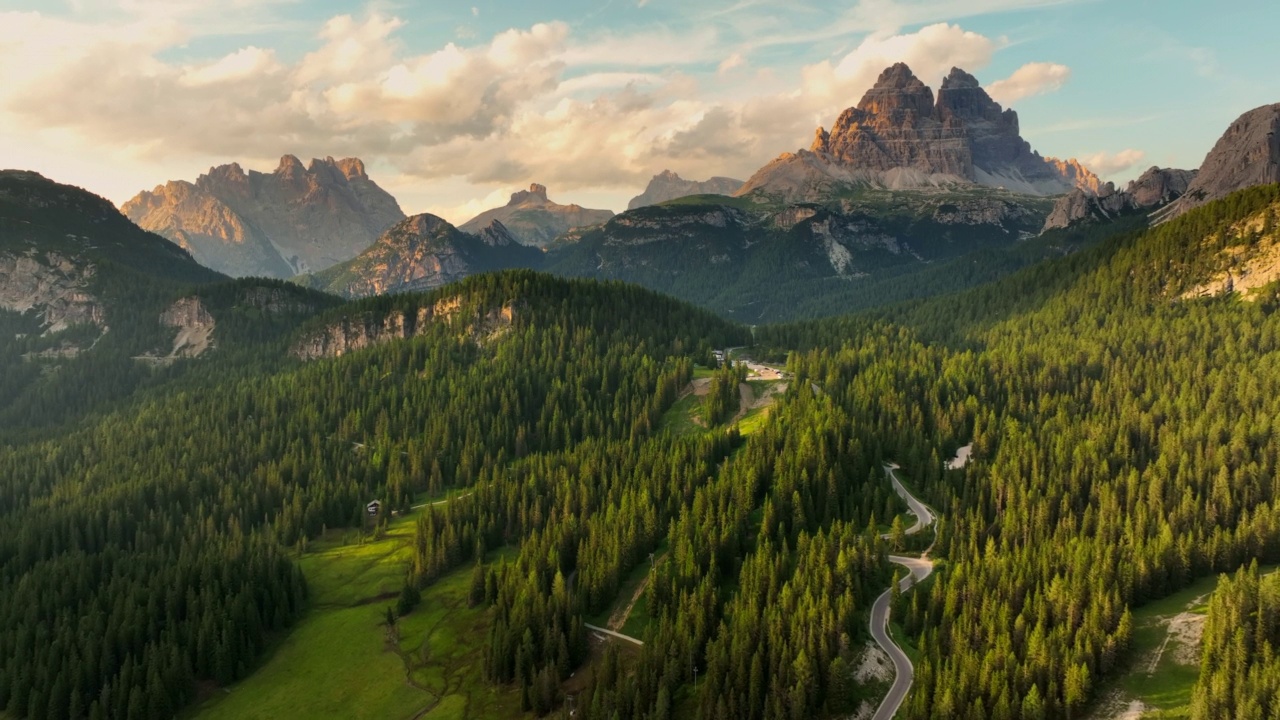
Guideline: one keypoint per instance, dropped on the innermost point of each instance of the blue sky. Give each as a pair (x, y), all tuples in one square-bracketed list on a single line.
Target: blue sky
[(455, 105)]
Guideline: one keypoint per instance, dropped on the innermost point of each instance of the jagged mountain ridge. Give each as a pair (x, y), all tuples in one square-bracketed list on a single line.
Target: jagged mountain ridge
[(667, 186), (423, 252), (1153, 189), (898, 136), (294, 219), (534, 219)]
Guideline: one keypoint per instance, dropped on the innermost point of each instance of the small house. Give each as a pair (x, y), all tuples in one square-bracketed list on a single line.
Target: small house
[(374, 507)]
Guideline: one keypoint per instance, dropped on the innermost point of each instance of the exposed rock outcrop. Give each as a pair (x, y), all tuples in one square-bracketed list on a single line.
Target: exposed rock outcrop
[(1155, 188), (194, 324), (667, 185), (1247, 154), (898, 136), (295, 219), (421, 253), (367, 329), (533, 219), (53, 285)]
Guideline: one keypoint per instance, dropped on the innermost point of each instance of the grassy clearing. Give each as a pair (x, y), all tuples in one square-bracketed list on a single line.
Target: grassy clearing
[(1166, 690), (681, 418), (339, 661)]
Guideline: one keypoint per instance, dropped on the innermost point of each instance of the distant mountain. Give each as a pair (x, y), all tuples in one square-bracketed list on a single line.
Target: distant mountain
[(423, 252), (293, 220), (1247, 154), (667, 185), (1155, 188), (535, 220), (898, 137)]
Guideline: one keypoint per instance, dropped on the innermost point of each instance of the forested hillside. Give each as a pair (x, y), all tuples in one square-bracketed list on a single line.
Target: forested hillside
[(148, 552), (1125, 442)]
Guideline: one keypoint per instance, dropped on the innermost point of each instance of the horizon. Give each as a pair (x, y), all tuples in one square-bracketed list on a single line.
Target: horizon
[(591, 104)]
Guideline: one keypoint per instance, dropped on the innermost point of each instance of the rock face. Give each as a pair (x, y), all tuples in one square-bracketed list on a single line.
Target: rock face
[(1156, 187), (295, 219), (421, 253), (53, 285), (194, 324), (1248, 154), (898, 136), (367, 329), (533, 219), (667, 185)]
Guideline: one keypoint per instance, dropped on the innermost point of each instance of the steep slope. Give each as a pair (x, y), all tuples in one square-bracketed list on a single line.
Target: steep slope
[(421, 253), (765, 264), (667, 185), (1153, 189), (533, 219), (1247, 154), (295, 219), (94, 309), (899, 137)]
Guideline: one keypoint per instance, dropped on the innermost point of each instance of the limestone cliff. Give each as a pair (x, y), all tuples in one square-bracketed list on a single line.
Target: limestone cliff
[(534, 219), (1155, 188), (357, 332), (898, 136), (1247, 154), (294, 219)]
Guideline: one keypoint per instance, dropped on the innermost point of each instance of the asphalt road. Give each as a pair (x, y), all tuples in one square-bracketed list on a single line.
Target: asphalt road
[(918, 569)]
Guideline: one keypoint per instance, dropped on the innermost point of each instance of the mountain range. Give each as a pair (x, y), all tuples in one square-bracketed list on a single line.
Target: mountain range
[(279, 224), (903, 180)]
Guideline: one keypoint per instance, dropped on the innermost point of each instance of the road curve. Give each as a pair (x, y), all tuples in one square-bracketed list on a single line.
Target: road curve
[(918, 569)]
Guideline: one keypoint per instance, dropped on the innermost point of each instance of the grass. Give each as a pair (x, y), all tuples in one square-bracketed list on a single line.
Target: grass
[(339, 662), (1166, 692), (679, 420)]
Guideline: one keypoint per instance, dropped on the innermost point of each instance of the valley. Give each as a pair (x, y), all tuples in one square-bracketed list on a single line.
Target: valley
[(587, 379)]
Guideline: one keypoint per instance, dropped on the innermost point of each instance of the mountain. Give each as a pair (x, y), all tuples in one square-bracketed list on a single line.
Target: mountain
[(1155, 188), (899, 137), (420, 253), (535, 220), (292, 220), (760, 263), (1247, 154), (667, 185)]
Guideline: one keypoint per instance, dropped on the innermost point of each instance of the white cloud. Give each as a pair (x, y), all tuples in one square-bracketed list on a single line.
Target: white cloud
[(1105, 164), (585, 115), (1032, 79), (734, 61)]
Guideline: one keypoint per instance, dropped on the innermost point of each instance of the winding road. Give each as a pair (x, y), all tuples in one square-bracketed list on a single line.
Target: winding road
[(918, 569)]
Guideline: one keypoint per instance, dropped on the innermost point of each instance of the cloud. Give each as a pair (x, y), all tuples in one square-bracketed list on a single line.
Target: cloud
[(1029, 80), (1105, 164), (734, 61), (546, 103)]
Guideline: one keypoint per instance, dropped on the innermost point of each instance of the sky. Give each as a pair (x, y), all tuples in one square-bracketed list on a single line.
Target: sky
[(455, 105)]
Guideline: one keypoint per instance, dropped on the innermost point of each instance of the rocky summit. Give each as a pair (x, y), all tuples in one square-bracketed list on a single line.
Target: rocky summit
[(667, 185), (1157, 187), (534, 219), (1247, 154), (295, 219), (900, 136), (420, 253)]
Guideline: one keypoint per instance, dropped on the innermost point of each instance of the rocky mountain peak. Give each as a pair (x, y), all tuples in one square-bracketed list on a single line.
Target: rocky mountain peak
[(352, 168), (1247, 154), (897, 90), (1155, 188), (668, 185), (423, 225), (278, 224), (898, 136), (290, 166), (534, 219)]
